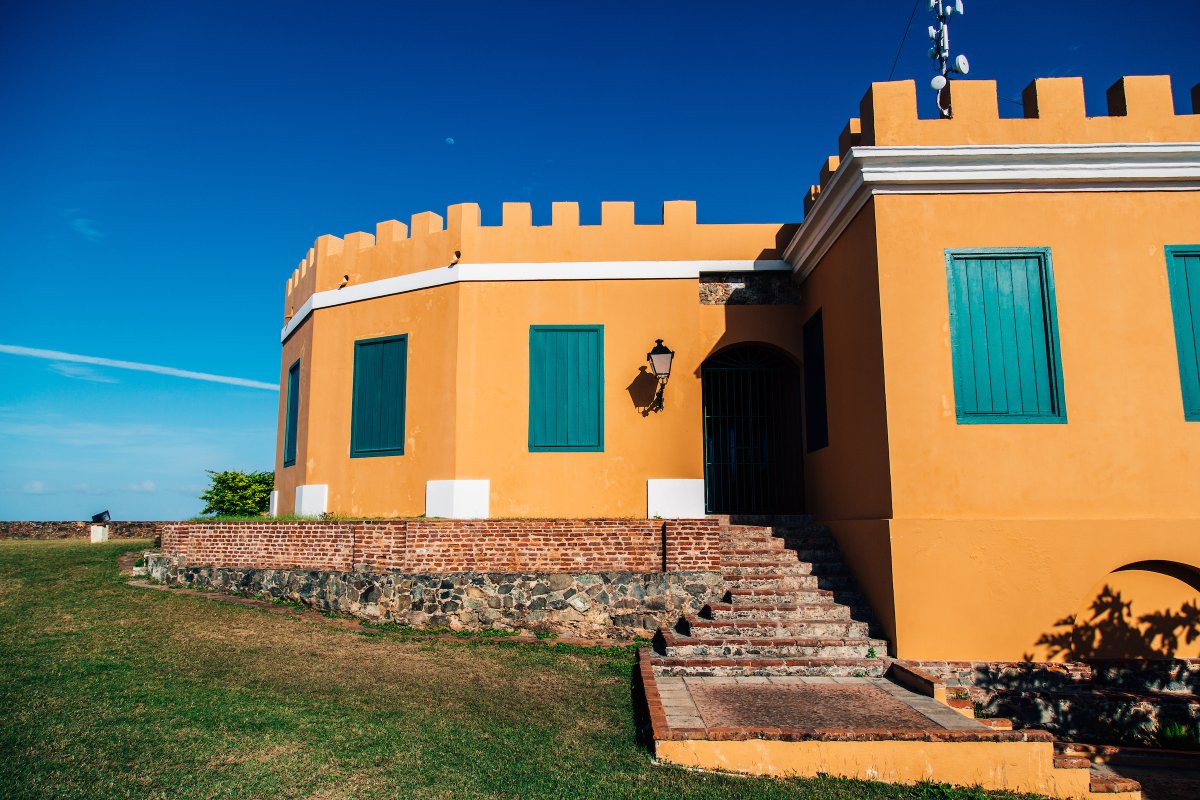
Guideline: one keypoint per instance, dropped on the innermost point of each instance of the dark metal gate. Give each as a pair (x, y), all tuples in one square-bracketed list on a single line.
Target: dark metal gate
[(753, 461)]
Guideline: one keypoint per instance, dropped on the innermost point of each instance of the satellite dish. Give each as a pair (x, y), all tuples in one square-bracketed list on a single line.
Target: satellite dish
[(961, 65), (938, 83)]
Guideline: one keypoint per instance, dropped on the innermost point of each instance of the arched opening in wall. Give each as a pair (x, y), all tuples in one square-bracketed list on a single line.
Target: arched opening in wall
[(753, 460), (1150, 609)]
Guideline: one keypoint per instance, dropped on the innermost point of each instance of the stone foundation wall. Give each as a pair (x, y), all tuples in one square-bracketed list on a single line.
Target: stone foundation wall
[(592, 604), (26, 529)]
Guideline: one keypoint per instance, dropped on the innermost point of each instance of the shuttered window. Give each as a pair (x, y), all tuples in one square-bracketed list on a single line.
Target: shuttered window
[(1004, 337), (380, 384), (291, 417), (1183, 277), (566, 388), (816, 418)]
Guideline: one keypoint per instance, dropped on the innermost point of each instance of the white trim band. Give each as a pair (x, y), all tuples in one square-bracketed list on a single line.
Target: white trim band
[(547, 271), (982, 169)]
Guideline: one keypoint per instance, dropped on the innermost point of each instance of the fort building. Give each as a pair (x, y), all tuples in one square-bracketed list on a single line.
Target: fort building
[(975, 360)]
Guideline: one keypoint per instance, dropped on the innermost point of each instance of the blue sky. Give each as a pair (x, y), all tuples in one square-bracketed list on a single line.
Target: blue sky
[(165, 165)]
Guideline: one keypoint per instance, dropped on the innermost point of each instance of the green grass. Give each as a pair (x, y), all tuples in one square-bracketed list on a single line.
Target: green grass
[(108, 690)]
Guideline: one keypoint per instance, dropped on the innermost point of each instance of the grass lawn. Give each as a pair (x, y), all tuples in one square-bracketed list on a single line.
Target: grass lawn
[(108, 690)]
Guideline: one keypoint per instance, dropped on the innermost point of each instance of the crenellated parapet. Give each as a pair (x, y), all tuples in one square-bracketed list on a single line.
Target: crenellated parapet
[(1140, 110), (431, 241)]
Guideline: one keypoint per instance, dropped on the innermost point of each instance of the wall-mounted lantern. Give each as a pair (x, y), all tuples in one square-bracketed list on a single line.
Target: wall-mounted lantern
[(660, 358)]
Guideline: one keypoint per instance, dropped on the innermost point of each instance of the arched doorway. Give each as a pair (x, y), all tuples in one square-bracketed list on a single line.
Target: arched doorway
[(753, 461)]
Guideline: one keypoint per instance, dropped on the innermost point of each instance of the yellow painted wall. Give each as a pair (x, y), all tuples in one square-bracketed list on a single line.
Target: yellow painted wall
[(1004, 529), (298, 346), (386, 485), (1126, 450), (995, 534), (468, 378), (1001, 590), (1011, 766), (850, 479)]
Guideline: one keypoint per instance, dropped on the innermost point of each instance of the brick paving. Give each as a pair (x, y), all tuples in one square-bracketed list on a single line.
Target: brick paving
[(803, 703)]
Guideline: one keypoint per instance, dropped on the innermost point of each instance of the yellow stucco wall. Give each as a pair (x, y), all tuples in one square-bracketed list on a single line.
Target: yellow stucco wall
[(970, 541), (998, 533), (468, 359), (1011, 766)]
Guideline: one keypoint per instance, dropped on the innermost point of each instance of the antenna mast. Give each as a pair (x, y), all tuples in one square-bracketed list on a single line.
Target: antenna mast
[(940, 52)]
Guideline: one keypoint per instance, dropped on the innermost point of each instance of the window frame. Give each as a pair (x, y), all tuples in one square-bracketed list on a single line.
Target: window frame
[(1181, 311), (291, 421), (570, 448), (355, 450), (1054, 357)]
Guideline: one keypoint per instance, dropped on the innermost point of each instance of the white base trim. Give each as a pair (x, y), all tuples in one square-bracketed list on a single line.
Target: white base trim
[(312, 500), (550, 271), (458, 499), (99, 534), (274, 509), (675, 498)]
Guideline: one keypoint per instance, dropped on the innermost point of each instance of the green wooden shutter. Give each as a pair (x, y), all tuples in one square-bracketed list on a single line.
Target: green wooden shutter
[(1183, 278), (566, 388), (292, 415), (380, 385), (1004, 336)]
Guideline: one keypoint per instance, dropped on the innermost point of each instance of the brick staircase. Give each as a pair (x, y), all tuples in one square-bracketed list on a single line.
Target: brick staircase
[(791, 608)]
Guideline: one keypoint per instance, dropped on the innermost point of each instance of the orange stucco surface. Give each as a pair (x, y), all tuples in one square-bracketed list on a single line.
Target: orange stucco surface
[(468, 374), (1011, 766), (971, 541)]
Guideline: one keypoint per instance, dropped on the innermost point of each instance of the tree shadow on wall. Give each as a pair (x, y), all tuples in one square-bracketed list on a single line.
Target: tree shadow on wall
[(1111, 631), (1109, 687)]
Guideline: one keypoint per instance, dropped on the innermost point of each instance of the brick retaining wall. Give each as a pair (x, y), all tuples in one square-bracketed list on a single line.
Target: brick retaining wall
[(443, 546), (26, 529)]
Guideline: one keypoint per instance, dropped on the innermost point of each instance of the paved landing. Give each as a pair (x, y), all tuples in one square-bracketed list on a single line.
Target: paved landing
[(802, 703)]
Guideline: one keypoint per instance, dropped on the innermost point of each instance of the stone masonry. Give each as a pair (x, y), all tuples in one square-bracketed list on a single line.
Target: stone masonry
[(602, 605)]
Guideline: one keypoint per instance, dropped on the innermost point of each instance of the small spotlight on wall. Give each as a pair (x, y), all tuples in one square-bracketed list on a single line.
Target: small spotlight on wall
[(660, 358)]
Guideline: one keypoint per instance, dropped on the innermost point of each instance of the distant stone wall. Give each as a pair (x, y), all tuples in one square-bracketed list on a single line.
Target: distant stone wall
[(24, 529), (593, 604), (577, 546)]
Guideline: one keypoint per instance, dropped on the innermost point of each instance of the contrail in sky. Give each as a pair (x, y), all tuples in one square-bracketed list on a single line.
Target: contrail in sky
[(55, 355)]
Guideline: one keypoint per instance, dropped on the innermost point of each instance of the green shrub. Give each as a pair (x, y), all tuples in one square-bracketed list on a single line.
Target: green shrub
[(238, 494), (1178, 736)]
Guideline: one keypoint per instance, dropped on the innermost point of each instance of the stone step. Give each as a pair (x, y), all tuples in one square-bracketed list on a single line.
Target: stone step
[(751, 665), (678, 645), (793, 567), (774, 628), (790, 582), (789, 595), (816, 554), (766, 520), (753, 569), (808, 611), (779, 556), (1113, 784)]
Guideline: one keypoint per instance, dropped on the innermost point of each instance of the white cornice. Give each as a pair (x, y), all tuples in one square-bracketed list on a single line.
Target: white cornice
[(552, 271), (982, 169)]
